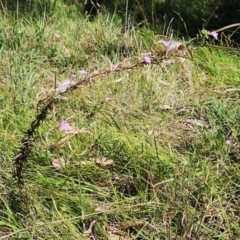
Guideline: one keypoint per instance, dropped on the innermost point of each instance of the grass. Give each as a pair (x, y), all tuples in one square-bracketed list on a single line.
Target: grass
[(159, 160)]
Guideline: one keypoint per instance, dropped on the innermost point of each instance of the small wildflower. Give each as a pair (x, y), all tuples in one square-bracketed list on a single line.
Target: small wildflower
[(64, 126), (214, 34), (107, 98), (73, 75), (83, 72), (147, 60)]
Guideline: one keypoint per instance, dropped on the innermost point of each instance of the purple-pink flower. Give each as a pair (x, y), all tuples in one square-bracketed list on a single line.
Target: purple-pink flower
[(147, 60), (214, 34), (73, 75), (83, 72), (107, 98), (64, 126)]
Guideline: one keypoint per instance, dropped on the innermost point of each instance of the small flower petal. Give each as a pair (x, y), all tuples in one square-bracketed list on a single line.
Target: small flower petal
[(107, 98), (65, 126), (83, 72), (214, 34), (73, 75), (147, 60)]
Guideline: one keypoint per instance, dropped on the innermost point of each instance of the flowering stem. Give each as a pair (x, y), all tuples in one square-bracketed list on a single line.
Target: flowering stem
[(21, 157)]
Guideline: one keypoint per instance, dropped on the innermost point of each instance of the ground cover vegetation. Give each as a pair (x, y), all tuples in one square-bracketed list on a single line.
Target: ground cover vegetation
[(129, 146)]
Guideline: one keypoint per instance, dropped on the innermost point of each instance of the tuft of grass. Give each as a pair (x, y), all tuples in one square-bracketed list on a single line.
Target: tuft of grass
[(157, 159)]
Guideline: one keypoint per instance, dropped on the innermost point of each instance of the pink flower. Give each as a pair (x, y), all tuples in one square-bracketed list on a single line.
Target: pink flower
[(107, 98), (73, 75), (64, 126), (83, 72), (214, 34), (147, 60)]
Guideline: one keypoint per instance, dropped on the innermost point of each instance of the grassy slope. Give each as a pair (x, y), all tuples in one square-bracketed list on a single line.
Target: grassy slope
[(159, 160)]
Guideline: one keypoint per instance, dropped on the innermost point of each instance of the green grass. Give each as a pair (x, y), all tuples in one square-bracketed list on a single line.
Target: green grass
[(159, 160)]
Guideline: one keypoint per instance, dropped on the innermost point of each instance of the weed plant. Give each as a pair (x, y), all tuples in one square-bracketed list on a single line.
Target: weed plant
[(150, 153)]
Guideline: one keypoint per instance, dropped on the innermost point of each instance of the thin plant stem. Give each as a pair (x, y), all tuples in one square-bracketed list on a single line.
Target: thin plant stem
[(211, 14)]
